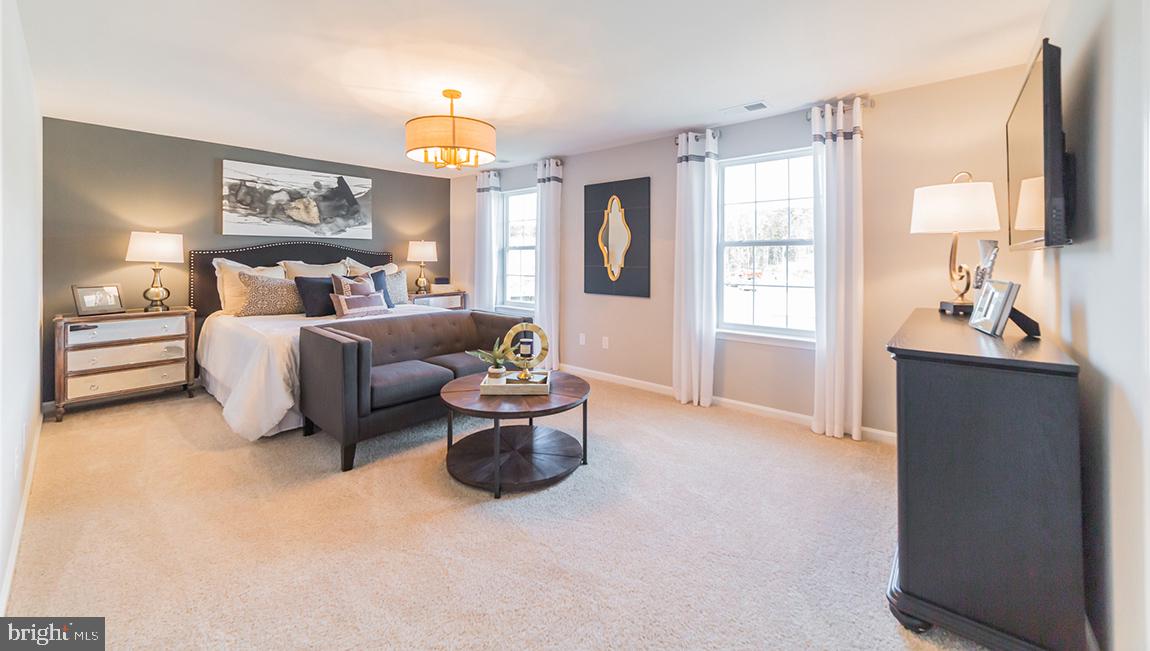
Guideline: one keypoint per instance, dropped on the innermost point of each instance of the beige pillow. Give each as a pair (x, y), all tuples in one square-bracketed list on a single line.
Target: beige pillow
[(296, 269), (233, 293), (356, 268), (268, 296)]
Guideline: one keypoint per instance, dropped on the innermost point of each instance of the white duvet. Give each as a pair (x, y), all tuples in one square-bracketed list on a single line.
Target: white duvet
[(251, 365)]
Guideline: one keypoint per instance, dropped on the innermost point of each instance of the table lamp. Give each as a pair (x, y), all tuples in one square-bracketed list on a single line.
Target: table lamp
[(422, 252), (155, 247), (955, 207)]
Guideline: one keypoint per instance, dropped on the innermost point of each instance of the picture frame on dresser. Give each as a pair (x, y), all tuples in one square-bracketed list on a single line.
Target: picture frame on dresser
[(105, 356), (98, 299)]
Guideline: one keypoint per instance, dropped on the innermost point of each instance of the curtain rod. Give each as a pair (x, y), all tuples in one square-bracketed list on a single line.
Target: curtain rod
[(848, 104)]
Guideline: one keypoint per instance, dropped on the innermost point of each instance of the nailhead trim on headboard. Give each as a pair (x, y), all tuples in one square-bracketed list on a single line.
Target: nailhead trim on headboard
[(214, 253)]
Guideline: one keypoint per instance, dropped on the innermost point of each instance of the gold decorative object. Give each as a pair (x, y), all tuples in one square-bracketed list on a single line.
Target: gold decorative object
[(522, 356), (450, 140), (614, 237)]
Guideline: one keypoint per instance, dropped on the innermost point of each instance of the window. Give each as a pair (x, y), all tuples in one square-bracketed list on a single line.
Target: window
[(516, 285), (766, 244)]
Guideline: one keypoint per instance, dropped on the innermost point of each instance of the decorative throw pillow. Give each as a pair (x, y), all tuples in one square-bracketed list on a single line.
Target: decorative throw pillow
[(315, 294), (358, 286), (355, 268), (359, 304), (269, 296), (379, 278), (295, 268), (396, 284), (233, 293)]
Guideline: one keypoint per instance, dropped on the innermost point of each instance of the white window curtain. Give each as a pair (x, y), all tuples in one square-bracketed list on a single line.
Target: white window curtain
[(549, 183), (488, 202), (693, 356), (838, 137)]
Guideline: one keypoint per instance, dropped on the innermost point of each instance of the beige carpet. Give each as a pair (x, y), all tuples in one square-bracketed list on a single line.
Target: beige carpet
[(690, 529)]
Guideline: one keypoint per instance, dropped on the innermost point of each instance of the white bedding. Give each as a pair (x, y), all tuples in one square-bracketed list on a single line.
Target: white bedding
[(251, 365)]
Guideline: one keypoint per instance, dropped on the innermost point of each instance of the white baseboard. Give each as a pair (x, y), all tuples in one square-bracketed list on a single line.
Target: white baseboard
[(18, 530), (869, 433), (879, 435), (660, 389), (763, 410)]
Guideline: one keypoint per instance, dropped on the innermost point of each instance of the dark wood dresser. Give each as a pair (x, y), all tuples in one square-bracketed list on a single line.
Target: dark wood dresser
[(989, 494)]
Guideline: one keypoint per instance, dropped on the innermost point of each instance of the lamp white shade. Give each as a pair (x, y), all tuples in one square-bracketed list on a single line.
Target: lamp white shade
[(955, 208), (1031, 211), (422, 251), (155, 247)]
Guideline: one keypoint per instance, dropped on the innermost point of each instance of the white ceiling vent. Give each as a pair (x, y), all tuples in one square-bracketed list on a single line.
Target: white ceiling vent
[(755, 106)]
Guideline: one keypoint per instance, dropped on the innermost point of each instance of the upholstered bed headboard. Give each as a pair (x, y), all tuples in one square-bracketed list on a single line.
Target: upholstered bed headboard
[(202, 294)]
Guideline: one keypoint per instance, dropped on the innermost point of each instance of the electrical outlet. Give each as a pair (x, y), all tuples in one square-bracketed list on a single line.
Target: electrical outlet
[(582, 339), (605, 346)]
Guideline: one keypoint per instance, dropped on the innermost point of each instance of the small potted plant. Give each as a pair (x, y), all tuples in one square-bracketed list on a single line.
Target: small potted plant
[(496, 357)]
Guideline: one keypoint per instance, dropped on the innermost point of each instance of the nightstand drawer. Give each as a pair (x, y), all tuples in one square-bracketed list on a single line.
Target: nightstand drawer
[(82, 360), (124, 330), (100, 384), (452, 301)]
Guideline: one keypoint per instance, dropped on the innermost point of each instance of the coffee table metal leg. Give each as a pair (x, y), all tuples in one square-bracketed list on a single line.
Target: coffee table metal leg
[(585, 431), (498, 441), (450, 427)]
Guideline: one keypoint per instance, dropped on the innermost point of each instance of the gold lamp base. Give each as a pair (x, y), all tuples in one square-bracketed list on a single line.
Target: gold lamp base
[(157, 293)]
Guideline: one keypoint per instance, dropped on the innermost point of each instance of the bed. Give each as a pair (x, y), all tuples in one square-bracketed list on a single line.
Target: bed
[(250, 364)]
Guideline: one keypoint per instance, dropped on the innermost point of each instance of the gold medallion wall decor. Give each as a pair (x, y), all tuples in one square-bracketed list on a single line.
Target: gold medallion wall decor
[(522, 354)]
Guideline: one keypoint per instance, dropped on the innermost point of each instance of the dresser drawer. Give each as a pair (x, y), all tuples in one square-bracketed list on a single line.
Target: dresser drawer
[(125, 330), (83, 360), (99, 384)]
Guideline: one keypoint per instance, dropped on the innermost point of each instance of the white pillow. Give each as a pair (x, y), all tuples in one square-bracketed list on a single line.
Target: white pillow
[(233, 293), (296, 269), (355, 268)]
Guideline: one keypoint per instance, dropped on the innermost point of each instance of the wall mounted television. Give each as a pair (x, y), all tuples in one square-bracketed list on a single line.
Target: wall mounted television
[(1039, 171)]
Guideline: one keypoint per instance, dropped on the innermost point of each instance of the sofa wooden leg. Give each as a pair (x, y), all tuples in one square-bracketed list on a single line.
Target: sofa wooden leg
[(308, 427), (348, 457)]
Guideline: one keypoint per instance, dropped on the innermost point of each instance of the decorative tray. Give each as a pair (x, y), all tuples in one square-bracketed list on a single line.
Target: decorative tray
[(509, 385)]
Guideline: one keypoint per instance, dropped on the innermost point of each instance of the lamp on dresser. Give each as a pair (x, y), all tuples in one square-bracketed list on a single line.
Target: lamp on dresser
[(955, 207), (155, 247), (422, 251)]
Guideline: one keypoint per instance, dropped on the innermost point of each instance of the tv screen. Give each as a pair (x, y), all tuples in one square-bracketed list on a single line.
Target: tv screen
[(1036, 159)]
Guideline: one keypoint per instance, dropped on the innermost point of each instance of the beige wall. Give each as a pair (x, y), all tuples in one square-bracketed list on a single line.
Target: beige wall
[(1096, 299), (914, 137), (20, 254)]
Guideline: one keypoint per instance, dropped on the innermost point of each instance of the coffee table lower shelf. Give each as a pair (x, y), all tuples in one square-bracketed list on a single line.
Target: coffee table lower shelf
[(530, 457)]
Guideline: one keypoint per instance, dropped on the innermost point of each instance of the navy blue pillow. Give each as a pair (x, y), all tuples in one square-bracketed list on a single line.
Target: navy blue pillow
[(315, 294), (379, 279)]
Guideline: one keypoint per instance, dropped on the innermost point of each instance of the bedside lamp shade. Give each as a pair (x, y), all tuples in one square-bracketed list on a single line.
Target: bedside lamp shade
[(155, 247), (954, 208), (422, 251)]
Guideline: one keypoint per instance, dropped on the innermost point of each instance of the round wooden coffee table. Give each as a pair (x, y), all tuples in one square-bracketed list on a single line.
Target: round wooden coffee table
[(514, 457)]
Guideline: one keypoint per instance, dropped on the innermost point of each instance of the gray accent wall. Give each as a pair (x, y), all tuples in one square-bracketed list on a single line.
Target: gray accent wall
[(101, 183)]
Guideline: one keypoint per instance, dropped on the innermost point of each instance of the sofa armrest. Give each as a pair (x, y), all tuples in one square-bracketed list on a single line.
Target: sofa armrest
[(330, 377), (364, 361), (491, 325)]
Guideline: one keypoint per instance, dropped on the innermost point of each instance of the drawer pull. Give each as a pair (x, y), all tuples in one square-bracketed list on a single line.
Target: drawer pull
[(93, 387)]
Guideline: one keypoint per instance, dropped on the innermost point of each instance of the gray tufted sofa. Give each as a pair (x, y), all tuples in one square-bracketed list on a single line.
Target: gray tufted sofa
[(364, 378)]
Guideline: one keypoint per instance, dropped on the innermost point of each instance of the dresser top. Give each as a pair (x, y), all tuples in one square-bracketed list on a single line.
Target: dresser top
[(134, 313), (930, 334)]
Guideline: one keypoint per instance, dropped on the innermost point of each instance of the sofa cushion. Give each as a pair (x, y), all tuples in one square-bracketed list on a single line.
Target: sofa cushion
[(400, 382), (460, 363), (417, 336)]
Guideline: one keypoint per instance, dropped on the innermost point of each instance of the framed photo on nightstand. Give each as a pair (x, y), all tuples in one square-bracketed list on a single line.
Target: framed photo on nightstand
[(97, 299)]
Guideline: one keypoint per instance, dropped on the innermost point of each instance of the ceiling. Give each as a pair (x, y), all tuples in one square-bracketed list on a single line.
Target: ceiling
[(336, 80)]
